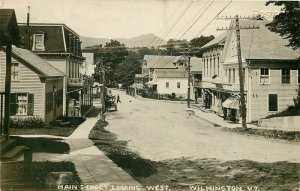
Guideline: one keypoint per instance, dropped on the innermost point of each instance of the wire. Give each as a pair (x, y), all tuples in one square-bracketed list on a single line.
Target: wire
[(197, 19), (213, 18), (167, 22)]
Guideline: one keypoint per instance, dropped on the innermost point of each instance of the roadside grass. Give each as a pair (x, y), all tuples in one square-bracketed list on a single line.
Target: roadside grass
[(39, 173), (44, 145), (270, 133)]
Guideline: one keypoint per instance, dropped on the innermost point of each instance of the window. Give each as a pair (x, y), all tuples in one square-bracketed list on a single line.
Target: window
[(244, 75), (38, 42), (167, 84), (233, 75), (204, 66), (229, 76), (226, 76), (273, 102), (178, 84), (298, 75), (15, 71), (207, 67), (214, 65), (210, 66), (218, 65), (21, 104), (285, 76), (264, 76)]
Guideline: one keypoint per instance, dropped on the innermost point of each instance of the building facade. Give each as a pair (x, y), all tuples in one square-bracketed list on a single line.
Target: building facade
[(61, 47), (36, 86), (270, 71)]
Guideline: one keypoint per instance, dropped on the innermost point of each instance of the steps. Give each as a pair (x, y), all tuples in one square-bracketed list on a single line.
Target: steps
[(14, 158)]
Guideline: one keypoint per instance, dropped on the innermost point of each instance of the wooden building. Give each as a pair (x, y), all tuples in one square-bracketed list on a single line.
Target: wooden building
[(61, 47), (36, 86), (270, 72)]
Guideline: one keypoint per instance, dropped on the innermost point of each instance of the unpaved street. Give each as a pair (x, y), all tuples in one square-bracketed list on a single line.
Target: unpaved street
[(159, 130)]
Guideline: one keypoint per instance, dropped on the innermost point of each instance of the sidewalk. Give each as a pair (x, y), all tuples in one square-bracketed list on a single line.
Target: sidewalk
[(96, 171), (219, 121)]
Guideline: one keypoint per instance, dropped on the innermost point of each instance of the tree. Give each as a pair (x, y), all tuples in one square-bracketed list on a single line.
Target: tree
[(126, 70), (201, 41), (287, 22), (113, 53)]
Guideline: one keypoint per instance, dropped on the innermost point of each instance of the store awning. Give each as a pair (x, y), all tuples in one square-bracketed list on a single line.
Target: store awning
[(233, 102)]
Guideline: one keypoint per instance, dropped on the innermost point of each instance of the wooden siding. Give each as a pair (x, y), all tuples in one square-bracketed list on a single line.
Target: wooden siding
[(259, 94), (182, 91), (29, 82)]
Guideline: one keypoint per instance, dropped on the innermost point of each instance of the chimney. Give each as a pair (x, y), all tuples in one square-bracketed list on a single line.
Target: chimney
[(28, 29)]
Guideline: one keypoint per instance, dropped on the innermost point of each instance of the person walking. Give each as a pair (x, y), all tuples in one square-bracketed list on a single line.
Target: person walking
[(118, 99)]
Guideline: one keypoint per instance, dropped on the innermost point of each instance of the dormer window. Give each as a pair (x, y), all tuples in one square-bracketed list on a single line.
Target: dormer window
[(38, 42)]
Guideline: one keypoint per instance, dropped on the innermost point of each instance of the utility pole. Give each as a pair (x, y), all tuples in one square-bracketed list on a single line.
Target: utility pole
[(189, 82), (241, 75), (237, 29), (8, 52), (189, 52), (103, 95)]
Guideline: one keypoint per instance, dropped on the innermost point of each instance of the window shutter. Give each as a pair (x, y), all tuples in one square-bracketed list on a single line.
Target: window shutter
[(13, 104), (30, 105)]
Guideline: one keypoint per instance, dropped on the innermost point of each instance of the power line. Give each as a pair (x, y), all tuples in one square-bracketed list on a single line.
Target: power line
[(169, 20), (197, 19)]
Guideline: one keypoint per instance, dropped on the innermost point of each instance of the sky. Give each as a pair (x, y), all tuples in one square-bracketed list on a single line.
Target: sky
[(179, 19)]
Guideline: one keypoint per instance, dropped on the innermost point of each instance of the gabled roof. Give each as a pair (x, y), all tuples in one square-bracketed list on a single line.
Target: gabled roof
[(262, 43), (216, 41), (157, 61), (38, 64), (9, 31), (171, 73)]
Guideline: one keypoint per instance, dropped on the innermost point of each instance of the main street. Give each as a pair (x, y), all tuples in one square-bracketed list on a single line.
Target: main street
[(159, 130)]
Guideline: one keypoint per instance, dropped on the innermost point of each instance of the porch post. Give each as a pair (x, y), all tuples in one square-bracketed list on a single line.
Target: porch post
[(7, 90)]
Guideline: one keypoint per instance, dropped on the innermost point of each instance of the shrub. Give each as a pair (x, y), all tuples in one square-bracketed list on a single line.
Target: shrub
[(27, 123)]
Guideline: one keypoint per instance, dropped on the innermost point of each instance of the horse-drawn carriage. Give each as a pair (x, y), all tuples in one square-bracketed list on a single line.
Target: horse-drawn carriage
[(111, 102)]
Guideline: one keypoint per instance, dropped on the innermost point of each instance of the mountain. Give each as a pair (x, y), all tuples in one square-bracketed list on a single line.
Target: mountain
[(139, 41)]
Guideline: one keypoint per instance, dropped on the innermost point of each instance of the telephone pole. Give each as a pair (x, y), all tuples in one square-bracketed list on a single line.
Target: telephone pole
[(237, 29), (241, 75), (189, 83), (103, 96)]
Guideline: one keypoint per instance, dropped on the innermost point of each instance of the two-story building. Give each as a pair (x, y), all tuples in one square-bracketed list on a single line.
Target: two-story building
[(196, 76), (36, 86), (270, 71), (61, 47), (166, 76)]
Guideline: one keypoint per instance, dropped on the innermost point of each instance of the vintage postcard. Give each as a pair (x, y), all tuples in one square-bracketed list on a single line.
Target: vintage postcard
[(152, 95)]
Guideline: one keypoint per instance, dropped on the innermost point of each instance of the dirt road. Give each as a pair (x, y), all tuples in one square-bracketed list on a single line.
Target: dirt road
[(159, 130)]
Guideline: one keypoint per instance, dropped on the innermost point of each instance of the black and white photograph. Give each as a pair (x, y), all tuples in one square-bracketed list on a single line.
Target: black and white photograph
[(150, 95)]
